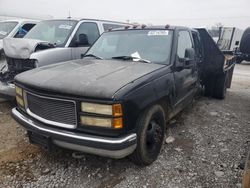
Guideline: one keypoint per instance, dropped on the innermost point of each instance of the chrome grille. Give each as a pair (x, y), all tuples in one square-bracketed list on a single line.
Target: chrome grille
[(52, 111)]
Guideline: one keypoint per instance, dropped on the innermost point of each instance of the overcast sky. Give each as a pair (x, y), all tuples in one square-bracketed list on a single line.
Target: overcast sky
[(177, 12)]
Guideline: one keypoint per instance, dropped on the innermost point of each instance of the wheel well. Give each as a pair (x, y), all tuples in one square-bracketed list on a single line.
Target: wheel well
[(164, 102)]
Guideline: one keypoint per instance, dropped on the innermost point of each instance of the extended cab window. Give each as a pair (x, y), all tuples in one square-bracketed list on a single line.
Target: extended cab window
[(86, 34), (184, 42), (197, 45)]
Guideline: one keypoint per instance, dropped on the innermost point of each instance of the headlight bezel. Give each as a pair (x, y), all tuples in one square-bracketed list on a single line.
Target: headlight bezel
[(113, 114)]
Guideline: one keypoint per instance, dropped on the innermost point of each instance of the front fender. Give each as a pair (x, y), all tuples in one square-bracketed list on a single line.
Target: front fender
[(146, 91), (51, 56)]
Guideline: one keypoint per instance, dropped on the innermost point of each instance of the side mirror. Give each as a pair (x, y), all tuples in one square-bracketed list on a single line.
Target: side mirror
[(82, 40), (187, 61), (189, 54), (237, 43)]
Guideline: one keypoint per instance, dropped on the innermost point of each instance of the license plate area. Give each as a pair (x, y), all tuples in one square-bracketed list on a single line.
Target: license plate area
[(40, 140)]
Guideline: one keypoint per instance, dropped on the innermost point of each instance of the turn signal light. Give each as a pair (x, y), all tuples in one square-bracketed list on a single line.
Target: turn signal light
[(19, 101), (117, 110), (117, 123)]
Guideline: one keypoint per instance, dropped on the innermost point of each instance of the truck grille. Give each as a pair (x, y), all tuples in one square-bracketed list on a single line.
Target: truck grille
[(52, 111), (20, 64)]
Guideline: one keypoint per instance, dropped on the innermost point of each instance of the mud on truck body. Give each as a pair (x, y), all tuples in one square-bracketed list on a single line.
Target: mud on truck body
[(117, 100), (49, 42)]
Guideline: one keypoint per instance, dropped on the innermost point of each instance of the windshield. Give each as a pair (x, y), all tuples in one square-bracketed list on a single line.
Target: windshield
[(53, 31), (148, 45), (6, 28)]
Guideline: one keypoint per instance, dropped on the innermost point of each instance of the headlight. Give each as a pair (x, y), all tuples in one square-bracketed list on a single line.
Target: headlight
[(94, 121), (20, 101), (114, 113), (19, 91), (112, 110), (19, 96), (115, 123)]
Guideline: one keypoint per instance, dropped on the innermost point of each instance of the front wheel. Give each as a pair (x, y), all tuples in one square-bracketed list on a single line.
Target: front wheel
[(150, 129)]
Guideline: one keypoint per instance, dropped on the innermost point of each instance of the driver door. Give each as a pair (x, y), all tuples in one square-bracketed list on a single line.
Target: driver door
[(184, 74)]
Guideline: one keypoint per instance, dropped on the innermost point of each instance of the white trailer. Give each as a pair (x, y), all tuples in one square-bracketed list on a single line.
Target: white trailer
[(229, 39)]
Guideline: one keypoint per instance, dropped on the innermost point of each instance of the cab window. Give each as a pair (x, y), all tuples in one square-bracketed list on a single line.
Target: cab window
[(86, 35), (197, 45), (184, 42), (23, 30)]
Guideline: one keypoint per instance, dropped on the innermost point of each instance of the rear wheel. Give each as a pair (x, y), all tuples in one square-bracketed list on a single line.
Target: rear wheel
[(220, 87), (208, 89), (150, 130)]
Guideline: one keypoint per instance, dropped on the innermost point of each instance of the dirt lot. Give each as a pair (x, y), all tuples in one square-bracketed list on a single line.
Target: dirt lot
[(212, 138)]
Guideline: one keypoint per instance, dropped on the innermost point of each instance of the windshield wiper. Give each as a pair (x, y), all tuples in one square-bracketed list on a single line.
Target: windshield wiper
[(131, 58), (92, 55)]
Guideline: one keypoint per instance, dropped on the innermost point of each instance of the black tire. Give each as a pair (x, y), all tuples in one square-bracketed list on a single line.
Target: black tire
[(245, 42), (220, 88), (209, 79), (208, 89), (150, 129)]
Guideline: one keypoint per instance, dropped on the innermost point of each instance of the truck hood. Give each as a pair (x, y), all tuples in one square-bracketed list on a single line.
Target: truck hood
[(86, 78), (23, 48)]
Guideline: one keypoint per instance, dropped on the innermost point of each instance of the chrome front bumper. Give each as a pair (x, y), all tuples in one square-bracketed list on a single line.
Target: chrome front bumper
[(103, 146)]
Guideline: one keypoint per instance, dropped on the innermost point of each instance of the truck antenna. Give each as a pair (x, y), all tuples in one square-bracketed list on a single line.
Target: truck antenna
[(69, 17)]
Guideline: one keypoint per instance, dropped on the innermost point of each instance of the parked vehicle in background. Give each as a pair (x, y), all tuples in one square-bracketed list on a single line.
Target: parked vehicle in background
[(116, 101), (243, 54), (50, 41), (16, 28), (13, 29), (229, 39)]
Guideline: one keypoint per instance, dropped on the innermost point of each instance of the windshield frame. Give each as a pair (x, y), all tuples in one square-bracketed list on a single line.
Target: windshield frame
[(15, 22), (166, 62), (66, 38)]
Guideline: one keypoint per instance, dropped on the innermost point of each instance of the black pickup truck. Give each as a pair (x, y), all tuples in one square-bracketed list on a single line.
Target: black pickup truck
[(117, 100)]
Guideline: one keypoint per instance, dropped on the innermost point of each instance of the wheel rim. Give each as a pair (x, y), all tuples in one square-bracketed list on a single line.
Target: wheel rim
[(154, 136)]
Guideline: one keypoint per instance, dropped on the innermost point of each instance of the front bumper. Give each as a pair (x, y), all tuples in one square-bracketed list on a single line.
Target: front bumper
[(103, 146), (7, 91)]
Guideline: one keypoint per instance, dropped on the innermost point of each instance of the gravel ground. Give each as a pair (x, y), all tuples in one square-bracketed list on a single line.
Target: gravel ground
[(206, 146)]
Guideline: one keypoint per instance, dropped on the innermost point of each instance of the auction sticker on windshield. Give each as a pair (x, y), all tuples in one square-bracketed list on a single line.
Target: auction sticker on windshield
[(65, 27), (158, 32)]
